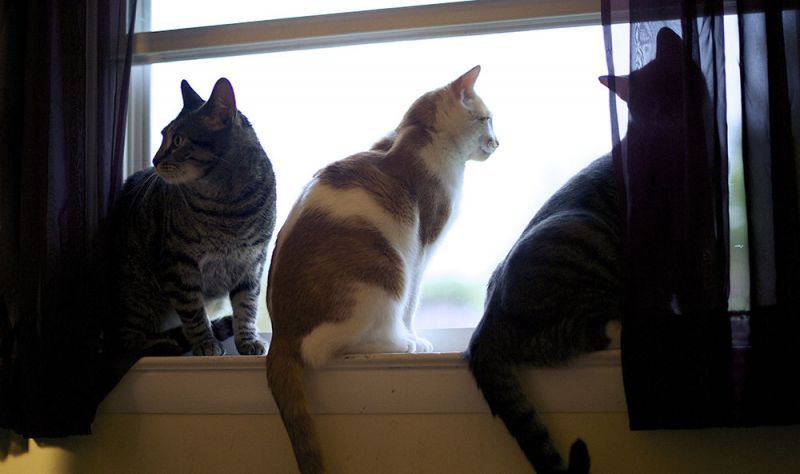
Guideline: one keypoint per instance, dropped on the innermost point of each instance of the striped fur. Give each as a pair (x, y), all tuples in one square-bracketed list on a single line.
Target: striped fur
[(347, 264), (195, 228), (562, 282), (548, 301)]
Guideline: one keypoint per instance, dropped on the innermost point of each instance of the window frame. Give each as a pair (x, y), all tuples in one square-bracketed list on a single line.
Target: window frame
[(330, 30), (442, 382), (361, 384)]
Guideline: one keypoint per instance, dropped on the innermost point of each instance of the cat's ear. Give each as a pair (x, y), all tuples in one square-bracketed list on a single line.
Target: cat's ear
[(220, 109), (464, 86), (191, 100), (620, 85), (668, 44)]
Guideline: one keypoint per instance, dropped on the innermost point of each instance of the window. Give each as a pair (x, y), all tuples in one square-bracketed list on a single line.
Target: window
[(320, 88), (314, 106)]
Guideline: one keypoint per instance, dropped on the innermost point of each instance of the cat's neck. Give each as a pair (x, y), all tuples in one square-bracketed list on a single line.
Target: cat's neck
[(231, 181), (432, 171), (446, 162), (437, 156)]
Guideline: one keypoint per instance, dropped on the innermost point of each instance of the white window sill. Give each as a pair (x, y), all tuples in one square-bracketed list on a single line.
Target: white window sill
[(361, 384)]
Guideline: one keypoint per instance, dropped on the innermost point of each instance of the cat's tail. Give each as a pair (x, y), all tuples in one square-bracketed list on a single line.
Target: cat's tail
[(285, 378), (503, 392)]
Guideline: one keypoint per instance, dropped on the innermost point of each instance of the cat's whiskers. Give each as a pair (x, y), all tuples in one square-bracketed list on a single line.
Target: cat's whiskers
[(143, 189)]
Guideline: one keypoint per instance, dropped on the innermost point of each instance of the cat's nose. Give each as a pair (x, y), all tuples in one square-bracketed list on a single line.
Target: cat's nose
[(490, 145)]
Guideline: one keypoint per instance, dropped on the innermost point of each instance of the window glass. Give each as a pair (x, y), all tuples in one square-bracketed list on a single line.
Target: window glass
[(739, 299), (312, 107), (175, 14)]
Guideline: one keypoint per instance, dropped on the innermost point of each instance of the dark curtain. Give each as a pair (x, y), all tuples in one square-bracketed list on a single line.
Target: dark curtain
[(770, 58), (680, 367), (64, 82)]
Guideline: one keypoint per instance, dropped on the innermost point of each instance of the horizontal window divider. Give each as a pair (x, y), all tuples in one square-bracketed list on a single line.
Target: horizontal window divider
[(393, 24)]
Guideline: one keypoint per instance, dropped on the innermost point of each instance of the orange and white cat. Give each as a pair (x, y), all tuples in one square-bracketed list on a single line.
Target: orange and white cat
[(347, 264)]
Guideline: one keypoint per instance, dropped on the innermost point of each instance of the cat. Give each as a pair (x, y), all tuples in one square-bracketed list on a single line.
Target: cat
[(562, 282), (347, 264), (194, 228)]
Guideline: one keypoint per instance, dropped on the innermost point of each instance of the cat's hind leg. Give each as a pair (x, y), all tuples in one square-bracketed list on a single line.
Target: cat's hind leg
[(139, 331), (373, 324), (390, 339), (389, 331)]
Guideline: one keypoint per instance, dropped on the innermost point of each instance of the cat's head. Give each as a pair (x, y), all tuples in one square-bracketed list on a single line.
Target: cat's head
[(655, 92), (457, 113), (193, 142)]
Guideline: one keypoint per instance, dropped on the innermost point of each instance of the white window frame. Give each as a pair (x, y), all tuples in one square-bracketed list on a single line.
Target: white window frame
[(376, 383), (361, 384)]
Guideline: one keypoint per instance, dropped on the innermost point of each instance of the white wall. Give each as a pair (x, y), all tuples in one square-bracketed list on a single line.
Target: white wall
[(474, 443)]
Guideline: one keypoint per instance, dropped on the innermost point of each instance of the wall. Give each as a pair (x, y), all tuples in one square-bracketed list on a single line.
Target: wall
[(474, 443)]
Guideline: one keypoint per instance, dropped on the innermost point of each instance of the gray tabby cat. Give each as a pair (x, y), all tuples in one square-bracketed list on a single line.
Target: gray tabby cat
[(346, 271), (195, 228), (562, 282)]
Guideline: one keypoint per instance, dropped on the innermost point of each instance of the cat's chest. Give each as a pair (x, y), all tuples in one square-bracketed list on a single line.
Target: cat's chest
[(217, 230), (222, 271)]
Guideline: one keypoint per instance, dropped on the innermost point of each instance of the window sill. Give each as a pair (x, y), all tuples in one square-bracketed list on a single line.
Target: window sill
[(361, 384)]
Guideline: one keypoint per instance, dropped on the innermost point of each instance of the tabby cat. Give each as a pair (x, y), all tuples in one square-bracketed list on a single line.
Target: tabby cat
[(194, 228), (562, 282), (347, 265)]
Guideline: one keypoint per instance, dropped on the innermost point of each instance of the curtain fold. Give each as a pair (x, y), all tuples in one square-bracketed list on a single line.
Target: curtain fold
[(64, 104), (675, 332), (680, 367), (769, 40)]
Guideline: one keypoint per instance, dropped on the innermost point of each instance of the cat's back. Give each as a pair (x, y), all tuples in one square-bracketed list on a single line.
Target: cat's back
[(360, 184), (140, 188), (354, 193), (593, 190), (569, 255), (138, 209), (347, 230)]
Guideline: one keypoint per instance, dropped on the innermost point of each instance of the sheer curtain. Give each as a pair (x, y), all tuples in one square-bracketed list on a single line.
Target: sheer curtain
[(770, 58), (64, 91), (680, 369)]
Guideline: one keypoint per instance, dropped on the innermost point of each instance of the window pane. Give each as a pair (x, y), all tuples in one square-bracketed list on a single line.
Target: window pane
[(313, 107), (175, 14), (739, 299)]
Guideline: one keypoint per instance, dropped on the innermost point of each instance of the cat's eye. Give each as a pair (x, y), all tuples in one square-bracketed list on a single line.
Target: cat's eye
[(485, 119), (177, 140)]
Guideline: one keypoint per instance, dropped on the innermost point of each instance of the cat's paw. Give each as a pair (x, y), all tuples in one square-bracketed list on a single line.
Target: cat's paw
[(209, 347), (417, 344), (423, 345), (250, 346)]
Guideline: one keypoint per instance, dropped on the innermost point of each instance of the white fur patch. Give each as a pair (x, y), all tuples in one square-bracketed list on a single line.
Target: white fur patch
[(374, 325), (356, 202)]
